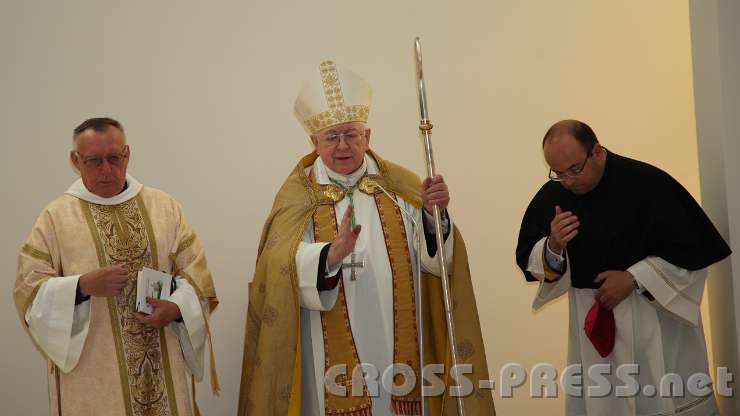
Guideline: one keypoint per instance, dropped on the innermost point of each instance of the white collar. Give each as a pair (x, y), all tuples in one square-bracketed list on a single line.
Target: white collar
[(79, 190), (323, 173)]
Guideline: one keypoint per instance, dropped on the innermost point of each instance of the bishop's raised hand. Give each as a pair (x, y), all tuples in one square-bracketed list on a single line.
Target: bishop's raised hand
[(345, 240), (434, 191)]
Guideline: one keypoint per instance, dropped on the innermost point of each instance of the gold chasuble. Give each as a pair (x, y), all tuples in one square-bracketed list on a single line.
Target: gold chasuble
[(271, 372), (125, 368)]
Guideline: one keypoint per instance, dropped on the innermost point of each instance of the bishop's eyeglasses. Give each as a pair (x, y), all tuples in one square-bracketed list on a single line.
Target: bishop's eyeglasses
[(350, 137)]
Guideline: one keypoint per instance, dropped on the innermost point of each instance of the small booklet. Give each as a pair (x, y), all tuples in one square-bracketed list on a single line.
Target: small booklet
[(154, 284)]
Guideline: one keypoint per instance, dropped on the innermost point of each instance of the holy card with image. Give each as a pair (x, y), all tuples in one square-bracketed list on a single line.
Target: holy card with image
[(154, 284)]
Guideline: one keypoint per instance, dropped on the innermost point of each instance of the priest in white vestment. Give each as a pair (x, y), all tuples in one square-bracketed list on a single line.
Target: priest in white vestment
[(361, 246), (630, 247), (76, 289)]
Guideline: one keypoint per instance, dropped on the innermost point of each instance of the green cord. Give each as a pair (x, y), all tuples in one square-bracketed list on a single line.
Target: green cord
[(350, 194)]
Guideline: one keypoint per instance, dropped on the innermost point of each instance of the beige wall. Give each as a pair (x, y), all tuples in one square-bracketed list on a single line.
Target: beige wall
[(205, 91), (716, 62)]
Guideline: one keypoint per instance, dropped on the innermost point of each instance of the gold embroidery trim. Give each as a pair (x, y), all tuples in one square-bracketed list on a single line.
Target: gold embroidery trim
[(124, 234), (338, 112), (30, 299), (37, 254), (121, 357), (369, 184), (332, 86), (339, 345), (86, 208), (404, 303), (102, 262), (406, 348), (332, 194), (332, 118), (168, 372), (191, 281), (149, 230), (165, 358), (551, 275), (185, 244)]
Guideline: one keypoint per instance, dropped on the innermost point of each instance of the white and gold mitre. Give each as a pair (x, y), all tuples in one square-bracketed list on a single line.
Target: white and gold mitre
[(331, 97)]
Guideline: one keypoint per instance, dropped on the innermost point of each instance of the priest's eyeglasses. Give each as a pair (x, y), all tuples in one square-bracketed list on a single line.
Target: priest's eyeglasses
[(114, 159), (570, 173), (351, 137)]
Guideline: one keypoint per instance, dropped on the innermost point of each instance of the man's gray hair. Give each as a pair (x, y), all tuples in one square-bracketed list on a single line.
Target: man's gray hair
[(99, 124)]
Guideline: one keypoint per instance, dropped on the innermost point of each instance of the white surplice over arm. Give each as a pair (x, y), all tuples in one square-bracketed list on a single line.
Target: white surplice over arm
[(60, 327), (56, 324), (307, 261), (191, 332), (676, 290), (548, 290)]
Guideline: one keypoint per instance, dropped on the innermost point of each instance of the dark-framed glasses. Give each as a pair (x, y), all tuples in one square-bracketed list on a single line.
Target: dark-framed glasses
[(570, 173), (94, 161)]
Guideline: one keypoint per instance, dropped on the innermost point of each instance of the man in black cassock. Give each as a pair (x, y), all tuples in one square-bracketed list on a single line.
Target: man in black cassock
[(631, 248)]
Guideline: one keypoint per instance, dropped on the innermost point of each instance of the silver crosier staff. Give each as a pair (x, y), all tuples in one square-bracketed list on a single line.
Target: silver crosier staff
[(425, 126)]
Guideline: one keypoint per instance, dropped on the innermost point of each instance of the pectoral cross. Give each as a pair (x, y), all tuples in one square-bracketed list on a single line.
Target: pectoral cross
[(353, 265)]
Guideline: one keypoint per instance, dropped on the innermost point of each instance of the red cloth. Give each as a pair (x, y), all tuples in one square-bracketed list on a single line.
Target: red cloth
[(600, 329)]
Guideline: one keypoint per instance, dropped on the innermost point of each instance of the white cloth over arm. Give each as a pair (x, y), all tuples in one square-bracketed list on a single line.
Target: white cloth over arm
[(60, 327), (191, 332), (677, 290), (548, 290), (56, 324), (307, 263)]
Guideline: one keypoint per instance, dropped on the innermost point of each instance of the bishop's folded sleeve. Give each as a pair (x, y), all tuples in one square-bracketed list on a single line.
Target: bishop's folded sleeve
[(430, 264), (430, 234), (307, 260)]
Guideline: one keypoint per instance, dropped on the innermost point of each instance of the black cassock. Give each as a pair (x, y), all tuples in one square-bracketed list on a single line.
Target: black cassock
[(636, 211)]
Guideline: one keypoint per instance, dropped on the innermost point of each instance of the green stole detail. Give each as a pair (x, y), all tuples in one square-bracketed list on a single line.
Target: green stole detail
[(123, 234), (350, 192)]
